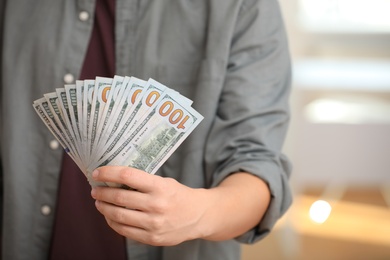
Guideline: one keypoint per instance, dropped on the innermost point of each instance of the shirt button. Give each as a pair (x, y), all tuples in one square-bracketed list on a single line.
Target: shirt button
[(68, 78), (83, 16), (54, 144), (45, 210)]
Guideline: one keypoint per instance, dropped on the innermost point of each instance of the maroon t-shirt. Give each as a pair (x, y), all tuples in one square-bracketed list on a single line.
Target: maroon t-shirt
[(80, 231)]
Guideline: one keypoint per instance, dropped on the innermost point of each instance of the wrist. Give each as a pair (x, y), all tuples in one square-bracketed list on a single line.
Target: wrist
[(232, 208), (206, 202), (210, 221)]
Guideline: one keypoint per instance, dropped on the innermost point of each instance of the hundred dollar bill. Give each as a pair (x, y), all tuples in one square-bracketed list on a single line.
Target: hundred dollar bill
[(109, 96), (87, 107), (150, 97), (71, 98), (79, 97), (53, 105), (144, 102), (160, 133), (80, 104), (41, 106), (155, 138), (131, 91), (130, 96), (119, 121), (64, 105), (50, 124), (101, 85), (147, 99)]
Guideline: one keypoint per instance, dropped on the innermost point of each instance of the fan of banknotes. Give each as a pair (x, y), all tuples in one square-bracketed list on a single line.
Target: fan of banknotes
[(118, 121)]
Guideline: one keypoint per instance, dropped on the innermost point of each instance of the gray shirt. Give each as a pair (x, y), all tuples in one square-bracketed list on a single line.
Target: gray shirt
[(229, 56)]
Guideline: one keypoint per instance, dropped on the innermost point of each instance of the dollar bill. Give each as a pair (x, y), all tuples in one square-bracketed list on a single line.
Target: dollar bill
[(132, 95), (146, 100), (58, 118), (87, 108), (155, 137), (110, 96), (102, 85), (66, 114), (118, 121), (42, 107), (80, 105), (160, 134), (50, 124), (71, 97)]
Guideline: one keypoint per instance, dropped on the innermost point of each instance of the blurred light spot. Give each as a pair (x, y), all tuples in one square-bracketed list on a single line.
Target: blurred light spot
[(364, 16), (348, 110), (370, 75), (320, 211)]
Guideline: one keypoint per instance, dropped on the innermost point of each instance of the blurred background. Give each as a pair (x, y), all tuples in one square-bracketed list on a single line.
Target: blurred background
[(339, 139)]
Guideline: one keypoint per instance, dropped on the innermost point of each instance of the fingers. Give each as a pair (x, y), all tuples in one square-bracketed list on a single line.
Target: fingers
[(120, 197), (148, 214), (140, 235), (124, 216), (133, 224), (134, 233), (131, 177)]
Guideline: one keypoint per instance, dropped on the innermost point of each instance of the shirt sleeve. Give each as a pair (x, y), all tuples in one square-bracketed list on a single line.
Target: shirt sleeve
[(253, 113)]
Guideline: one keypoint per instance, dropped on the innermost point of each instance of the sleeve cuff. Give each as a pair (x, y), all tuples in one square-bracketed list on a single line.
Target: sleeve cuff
[(275, 174)]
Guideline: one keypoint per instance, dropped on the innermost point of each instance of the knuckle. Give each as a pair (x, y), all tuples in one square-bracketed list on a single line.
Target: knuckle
[(159, 206), (156, 223), (156, 239)]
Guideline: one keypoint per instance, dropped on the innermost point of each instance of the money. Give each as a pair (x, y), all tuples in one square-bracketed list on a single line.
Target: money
[(118, 121), (155, 137), (102, 86)]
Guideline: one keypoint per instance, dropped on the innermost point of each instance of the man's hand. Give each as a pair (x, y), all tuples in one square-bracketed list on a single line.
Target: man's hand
[(162, 212)]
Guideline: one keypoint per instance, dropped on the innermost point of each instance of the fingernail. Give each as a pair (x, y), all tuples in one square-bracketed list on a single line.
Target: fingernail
[(95, 173)]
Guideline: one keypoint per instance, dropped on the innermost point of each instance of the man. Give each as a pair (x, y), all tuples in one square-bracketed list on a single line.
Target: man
[(227, 183)]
